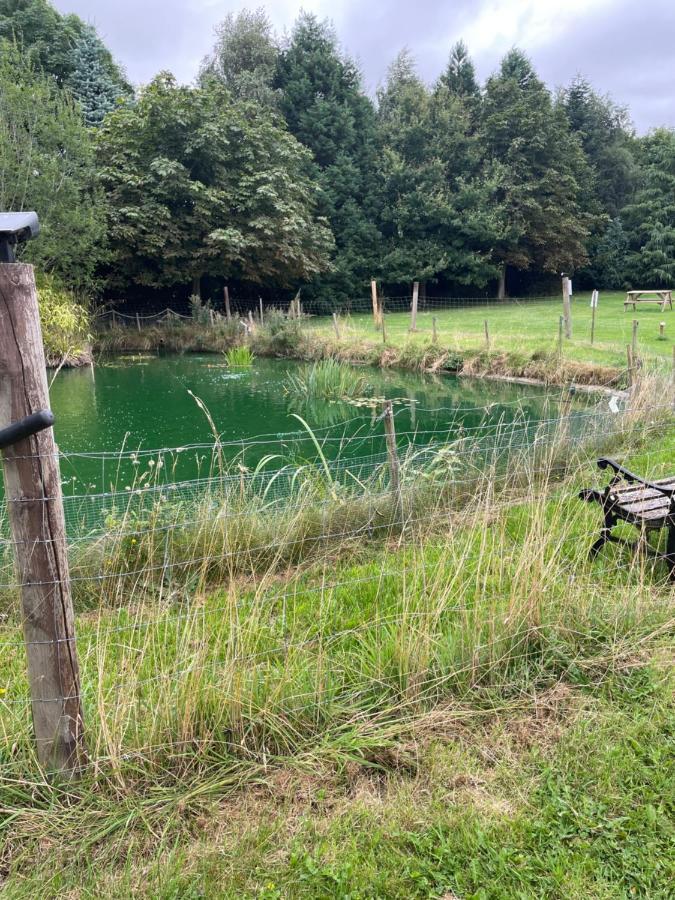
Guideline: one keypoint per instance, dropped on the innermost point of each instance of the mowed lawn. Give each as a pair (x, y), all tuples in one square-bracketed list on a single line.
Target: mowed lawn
[(527, 327)]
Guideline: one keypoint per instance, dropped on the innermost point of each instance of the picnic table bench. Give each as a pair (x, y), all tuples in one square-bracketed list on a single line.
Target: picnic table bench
[(648, 505), (663, 298)]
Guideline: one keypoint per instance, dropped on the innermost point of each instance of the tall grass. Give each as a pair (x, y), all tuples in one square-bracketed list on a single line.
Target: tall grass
[(326, 631), (326, 379), (239, 357)]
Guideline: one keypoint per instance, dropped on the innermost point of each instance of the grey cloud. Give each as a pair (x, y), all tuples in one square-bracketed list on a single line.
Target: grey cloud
[(625, 49)]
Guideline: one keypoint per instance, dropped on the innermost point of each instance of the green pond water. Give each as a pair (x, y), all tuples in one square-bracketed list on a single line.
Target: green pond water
[(108, 420)]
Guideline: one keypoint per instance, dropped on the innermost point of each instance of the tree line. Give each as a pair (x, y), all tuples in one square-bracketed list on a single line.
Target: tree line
[(275, 170)]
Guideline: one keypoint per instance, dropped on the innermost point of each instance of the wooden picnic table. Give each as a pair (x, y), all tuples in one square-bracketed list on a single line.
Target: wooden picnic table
[(663, 298)]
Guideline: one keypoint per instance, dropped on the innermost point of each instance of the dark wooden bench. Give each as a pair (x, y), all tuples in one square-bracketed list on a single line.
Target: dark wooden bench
[(648, 505)]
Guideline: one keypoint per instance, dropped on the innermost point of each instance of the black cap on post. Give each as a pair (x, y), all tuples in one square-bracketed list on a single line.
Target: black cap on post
[(16, 228)]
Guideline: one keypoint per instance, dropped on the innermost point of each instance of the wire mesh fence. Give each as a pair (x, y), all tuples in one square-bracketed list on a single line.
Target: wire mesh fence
[(185, 629)]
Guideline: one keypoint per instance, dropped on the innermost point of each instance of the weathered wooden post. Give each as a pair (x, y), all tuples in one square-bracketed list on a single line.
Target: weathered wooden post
[(376, 304), (228, 311), (336, 327), (384, 329), (261, 310), (629, 364), (434, 334), (413, 309), (594, 306), (633, 343), (567, 309), (35, 507), (662, 331), (251, 323), (487, 334), (392, 455)]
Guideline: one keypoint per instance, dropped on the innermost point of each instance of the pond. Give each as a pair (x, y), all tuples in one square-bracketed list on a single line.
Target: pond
[(110, 421)]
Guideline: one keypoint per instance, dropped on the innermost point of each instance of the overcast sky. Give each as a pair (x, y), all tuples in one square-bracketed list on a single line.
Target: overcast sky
[(624, 47)]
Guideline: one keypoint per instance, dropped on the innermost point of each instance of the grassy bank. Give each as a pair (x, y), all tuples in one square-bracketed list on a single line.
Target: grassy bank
[(523, 340), (399, 721)]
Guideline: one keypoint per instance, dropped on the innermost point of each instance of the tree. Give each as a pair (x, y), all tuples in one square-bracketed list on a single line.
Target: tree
[(47, 164), (245, 57), (649, 220), (609, 258), (326, 110), (43, 33), (607, 137), (459, 78), (51, 41), (540, 169), (436, 217), (199, 184), (91, 81)]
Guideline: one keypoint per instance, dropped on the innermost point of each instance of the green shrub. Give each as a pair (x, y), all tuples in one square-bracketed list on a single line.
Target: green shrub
[(280, 335), (65, 322)]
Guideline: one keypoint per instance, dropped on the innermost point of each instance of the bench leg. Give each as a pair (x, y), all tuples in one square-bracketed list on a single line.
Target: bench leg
[(605, 535), (670, 552)]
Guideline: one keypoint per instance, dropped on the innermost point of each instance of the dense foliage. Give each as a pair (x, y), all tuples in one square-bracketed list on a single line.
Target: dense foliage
[(277, 169), (199, 184)]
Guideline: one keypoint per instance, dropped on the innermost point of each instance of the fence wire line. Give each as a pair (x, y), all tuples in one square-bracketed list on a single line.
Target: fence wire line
[(500, 429), (380, 462), (375, 463), (284, 437)]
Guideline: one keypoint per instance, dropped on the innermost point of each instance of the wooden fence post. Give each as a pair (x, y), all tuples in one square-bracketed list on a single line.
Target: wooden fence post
[(392, 455), (261, 310), (35, 507), (376, 305), (413, 310), (434, 335), (335, 326), (662, 331), (487, 334), (633, 343), (251, 323), (567, 309), (594, 306), (228, 311), (629, 362), (384, 329)]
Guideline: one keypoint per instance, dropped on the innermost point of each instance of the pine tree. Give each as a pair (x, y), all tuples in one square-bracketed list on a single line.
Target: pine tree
[(459, 78), (435, 213), (540, 169), (325, 108), (91, 81), (650, 219)]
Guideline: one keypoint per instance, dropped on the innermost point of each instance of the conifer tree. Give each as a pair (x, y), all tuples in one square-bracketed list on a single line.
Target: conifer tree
[(436, 217), (91, 81), (541, 172), (649, 220), (327, 111)]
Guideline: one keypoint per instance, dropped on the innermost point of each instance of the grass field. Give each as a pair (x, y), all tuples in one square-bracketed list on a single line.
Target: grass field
[(527, 328), (472, 709)]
